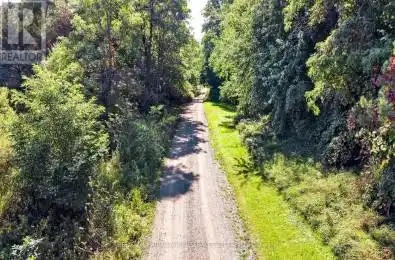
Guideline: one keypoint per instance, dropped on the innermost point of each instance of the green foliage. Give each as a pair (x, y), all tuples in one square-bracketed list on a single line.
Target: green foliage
[(132, 220), (59, 141), (316, 90), (277, 57), (138, 139), (134, 53), (192, 57), (7, 117), (28, 250), (329, 201), (315, 69), (56, 145), (277, 231), (231, 58), (121, 207), (370, 122), (280, 82), (212, 30), (117, 221), (82, 164)]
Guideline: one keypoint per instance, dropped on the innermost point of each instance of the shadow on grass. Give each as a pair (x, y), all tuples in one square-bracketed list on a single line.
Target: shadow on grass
[(262, 150), (225, 107), (228, 124)]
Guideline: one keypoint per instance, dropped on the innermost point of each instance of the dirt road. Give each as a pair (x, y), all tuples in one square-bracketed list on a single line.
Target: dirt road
[(195, 217)]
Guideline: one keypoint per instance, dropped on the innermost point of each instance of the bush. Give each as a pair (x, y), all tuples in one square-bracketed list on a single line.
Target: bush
[(121, 208), (132, 220), (57, 144), (141, 143), (386, 236), (117, 222)]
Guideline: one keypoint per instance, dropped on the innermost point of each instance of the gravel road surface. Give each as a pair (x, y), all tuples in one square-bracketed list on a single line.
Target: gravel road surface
[(196, 217)]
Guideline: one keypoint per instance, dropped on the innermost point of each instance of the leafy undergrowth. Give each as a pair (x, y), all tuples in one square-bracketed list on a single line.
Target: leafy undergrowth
[(330, 202), (130, 214), (117, 197), (277, 231)]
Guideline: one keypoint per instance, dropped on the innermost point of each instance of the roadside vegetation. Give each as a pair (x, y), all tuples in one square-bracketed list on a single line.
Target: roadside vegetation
[(277, 232), (313, 84), (83, 137)]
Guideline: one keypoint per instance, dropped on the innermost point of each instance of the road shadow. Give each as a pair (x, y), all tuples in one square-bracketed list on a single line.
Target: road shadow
[(177, 179), (186, 140), (176, 182)]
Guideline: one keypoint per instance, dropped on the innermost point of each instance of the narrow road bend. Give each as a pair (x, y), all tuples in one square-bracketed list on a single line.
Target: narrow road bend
[(196, 217)]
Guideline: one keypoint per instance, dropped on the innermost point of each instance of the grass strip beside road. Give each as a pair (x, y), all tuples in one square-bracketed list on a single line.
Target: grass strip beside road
[(276, 230)]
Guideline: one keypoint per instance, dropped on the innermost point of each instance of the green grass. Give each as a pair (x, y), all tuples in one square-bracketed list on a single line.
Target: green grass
[(276, 230)]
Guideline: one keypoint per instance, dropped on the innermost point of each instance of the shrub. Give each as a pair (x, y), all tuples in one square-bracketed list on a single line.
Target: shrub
[(57, 144), (140, 151), (141, 142), (121, 208), (132, 220), (117, 222)]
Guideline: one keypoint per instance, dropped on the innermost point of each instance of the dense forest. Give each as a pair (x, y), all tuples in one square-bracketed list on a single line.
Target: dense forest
[(83, 136), (314, 84)]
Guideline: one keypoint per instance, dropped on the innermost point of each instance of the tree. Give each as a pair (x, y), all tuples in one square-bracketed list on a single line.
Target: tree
[(232, 56), (212, 30)]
